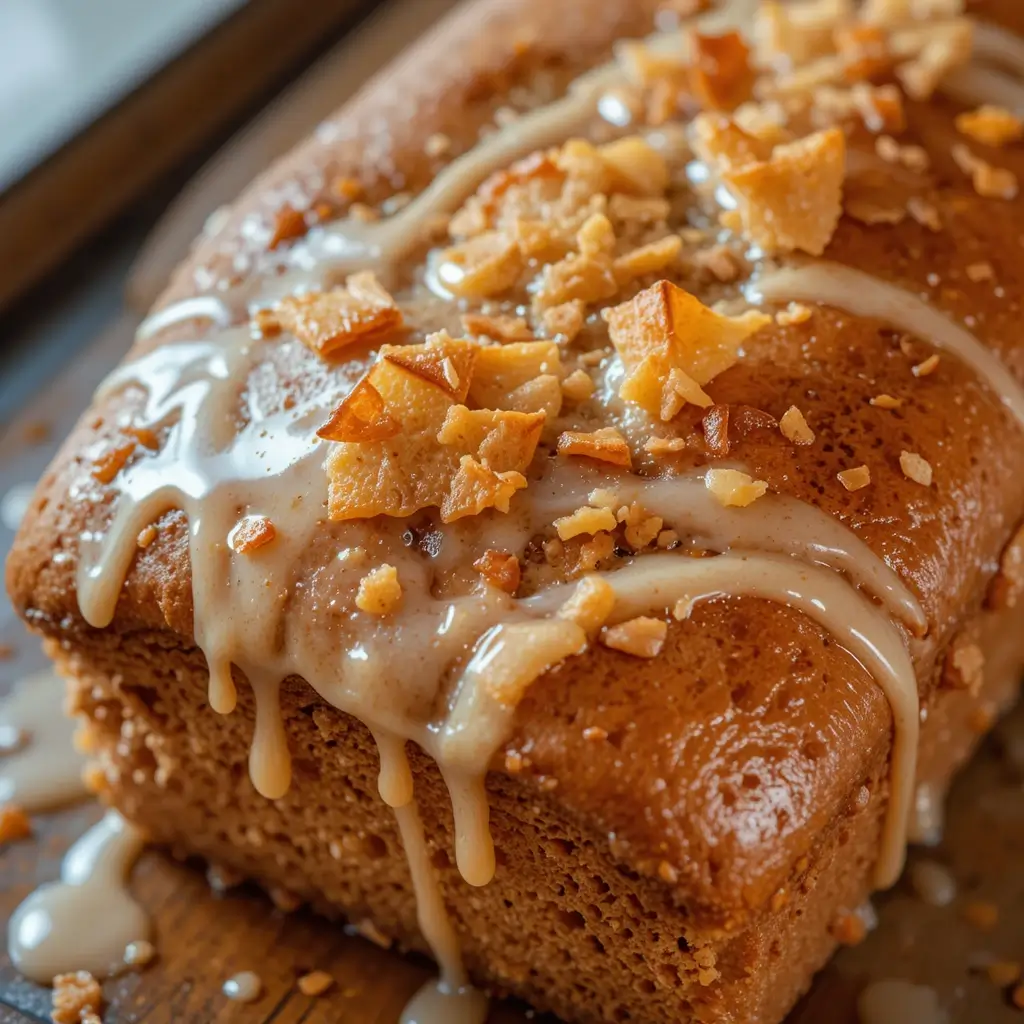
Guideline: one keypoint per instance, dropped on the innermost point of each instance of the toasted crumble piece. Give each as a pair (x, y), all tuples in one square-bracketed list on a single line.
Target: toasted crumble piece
[(522, 376), (565, 321), (446, 363), (250, 534), (720, 262), (587, 279), (642, 637), (854, 479), (604, 445), (146, 537), (964, 667), (316, 983), (578, 386), (925, 213), (795, 313), (514, 668), (476, 487), (660, 447), (720, 74), (988, 181), (327, 322), (678, 390), (990, 125), (499, 438), (635, 167), (146, 436), (289, 224), (500, 328), (595, 734), (596, 237), (647, 259), (590, 605), (980, 272), (720, 142), (793, 201), (794, 427), (106, 467), (927, 367), (361, 416), (585, 520), (380, 592), (265, 323), (916, 468), (14, 824), (885, 401), (500, 569), (733, 488), (480, 267), (139, 953), (75, 996), (663, 328)]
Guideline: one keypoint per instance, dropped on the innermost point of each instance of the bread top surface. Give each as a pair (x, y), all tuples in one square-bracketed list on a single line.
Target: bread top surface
[(726, 755)]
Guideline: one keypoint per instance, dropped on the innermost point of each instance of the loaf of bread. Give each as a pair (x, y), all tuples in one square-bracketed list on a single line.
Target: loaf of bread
[(563, 520)]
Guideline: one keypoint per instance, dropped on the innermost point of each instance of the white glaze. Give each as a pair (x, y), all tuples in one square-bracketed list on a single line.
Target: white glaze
[(894, 1001), (39, 766), (85, 921)]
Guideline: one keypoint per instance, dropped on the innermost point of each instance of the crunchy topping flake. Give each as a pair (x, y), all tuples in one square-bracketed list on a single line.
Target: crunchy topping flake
[(605, 445), (500, 569), (643, 637), (720, 76), (250, 534), (659, 447), (795, 313), (500, 328), (856, 478), (563, 321), (112, 461), (14, 824), (523, 376), (663, 328), (636, 167), (289, 224), (916, 468), (480, 267), (793, 200), (884, 401), (476, 487), (991, 125), (590, 605), (316, 983), (988, 181), (927, 367), (980, 272), (585, 520), (647, 259), (361, 416), (379, 592), (329, 321), (794, 427), (731, 487), (578, 386), (76, 996), (445, 362)]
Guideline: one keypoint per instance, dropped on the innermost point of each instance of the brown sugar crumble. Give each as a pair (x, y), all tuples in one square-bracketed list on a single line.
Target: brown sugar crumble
[(250, 534), (380, 592), (927, 367), (916, 468), (14, 824), (77, 998), (643, 637), (500, 569), (854, 479), (316, 983)]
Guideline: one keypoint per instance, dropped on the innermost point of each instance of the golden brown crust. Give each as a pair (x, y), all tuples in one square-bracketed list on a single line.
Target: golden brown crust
[(734, 752)]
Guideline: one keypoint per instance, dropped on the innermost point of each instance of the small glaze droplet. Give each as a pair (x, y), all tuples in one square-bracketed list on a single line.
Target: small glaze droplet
[(893, 1001), (244, 987)]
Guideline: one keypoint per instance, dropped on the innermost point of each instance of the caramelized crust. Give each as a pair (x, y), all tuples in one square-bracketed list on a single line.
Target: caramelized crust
[(740, 756)]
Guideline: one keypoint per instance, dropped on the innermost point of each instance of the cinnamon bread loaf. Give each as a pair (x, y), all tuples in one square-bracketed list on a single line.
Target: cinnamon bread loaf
[(564, 519)]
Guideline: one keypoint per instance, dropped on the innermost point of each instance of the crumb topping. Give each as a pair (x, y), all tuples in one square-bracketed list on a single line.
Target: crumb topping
[(380, 592)]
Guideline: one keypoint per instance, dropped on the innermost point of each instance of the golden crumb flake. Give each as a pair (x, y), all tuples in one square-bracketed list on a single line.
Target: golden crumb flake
[(329, 321), (916, 468), (75, 997), (980, 272), (988, 181), (500, 439), (720, 142), (361, 416), (316, 983), (522, 376), (476, 487), (793, 201), (14, 824), (380, 592), (990, 125), (590, 605), (642, 637), (146, 536), (514, 667), (445, 362), (500, 328), (585, 520), (663, 328), (927, 367), (794, 427), (720, 75), (578, 277), (733, 488), (636, 167), (480, 267), (647, 259), (854, 479), (604, 445), (564, 321), (660, 447), (106, 467), (500, 569), (884, 401), (250, 534), (795, 313)]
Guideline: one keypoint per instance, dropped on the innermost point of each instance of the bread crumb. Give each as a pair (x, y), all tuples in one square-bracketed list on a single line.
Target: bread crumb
[(856, 478), (146, 536), (659, 447), (585, 520), (564, 321), (75, 997), (379, 591), (988, 181), (981, 914), (14, 824), (578, 386), (604, 445), (849, 928), (990, 125), (667, 873), (794, 313), (643, 637), (927, 367), (106, 466), (734, 488), (595, 734), (885, 401), (925, 213), (500, 328), (916, 468), (316, 983), (251, 533), (794, 427), (500, 569), (980, 272)]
